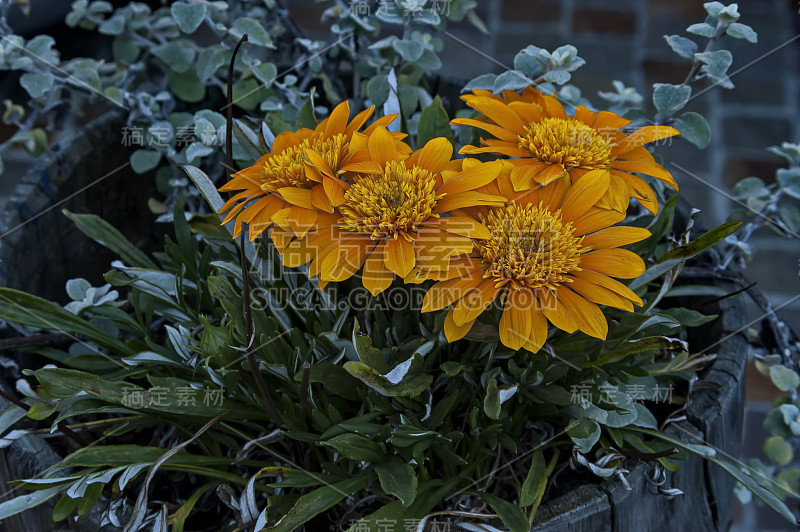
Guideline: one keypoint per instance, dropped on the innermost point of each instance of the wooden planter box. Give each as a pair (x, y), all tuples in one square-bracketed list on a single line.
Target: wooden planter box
[(714, 417), (40, 256)]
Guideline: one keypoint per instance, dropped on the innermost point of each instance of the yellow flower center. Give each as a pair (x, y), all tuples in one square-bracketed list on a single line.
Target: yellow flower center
[(530, 246), (567, 142), (287, 168), (391, 204)]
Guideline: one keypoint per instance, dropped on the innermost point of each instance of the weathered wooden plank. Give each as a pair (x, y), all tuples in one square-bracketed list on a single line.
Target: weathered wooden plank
[(585, 509)]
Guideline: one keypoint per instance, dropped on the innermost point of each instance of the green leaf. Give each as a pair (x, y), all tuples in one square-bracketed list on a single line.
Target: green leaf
[(790, 215), (187, 86), (125, 50), (112, 26), (429, 61), (407, 387), (307, 118), (37, 84), (355, 447), (670, 98), (399, 480), (535, 481), (266, 73), (687, 317), (378, 89), (142, 161), (789, 180), (182, 513), (107, 235), (741, 31), (675, 257), (209, 61), (716, 62), (127, 454), (314, 503), (702, 29), (750, 186), (558, 76), (63, 383), (177, 56), (778, 450), (681, 45), (33, 141), (90, 497), (694, 128), (256, 34), (491, 403), (512, 80), (28, 500), (584, 434), (482, 82), (511, 515), (188, 15), (33, 311), (702, 243), (64, 507), (409, 50), (433, 123), (784, 378)]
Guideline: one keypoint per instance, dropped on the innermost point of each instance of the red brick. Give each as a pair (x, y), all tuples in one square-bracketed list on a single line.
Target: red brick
[(597, 21), (737, 168), (690, 10), (530, 10), (657, 71)]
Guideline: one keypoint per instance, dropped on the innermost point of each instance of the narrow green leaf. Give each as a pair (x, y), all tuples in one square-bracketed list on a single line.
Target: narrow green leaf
[(314, 503), (355, 447), (33, 311), (702, 243), (510, 514), (107, 235), (28, 500)]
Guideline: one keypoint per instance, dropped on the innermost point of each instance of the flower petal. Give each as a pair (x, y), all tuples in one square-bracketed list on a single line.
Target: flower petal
[(613, 237), (473, 177), (619, 263), (643, 136), (337, 121), (376, 278), (460, 200), (588, 315), (585, 193), (297, 196), (444, 293), (474, 302), (435, 154), (399, 256), (381, 147), (455, 332)]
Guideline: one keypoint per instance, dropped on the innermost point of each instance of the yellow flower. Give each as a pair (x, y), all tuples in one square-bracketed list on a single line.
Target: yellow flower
[(302, 175), (399, 218), (550, 256), (545, 143)]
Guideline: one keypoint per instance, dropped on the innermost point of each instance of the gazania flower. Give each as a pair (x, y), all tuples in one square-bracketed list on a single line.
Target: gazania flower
[(301, 175), (397, 219), (545, 143), (549, 258)]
